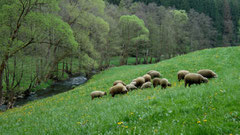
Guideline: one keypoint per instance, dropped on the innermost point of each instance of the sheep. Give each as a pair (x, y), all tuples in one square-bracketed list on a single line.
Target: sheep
[(181, 74), (207, 73), (164, 83), (156, 82), (98, 94), (139, 81), (146, 85), (133, 83), (119, 81), (154, 74), (147, 78), (193, 78), (118, 89), (131, 87)]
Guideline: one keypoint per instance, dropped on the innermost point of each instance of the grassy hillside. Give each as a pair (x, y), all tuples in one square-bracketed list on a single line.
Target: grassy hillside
[(212, 108), (131, 61)]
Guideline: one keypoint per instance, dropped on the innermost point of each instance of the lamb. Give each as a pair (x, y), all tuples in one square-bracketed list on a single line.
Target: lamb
[(193, 78), (207, 73), (146, 85), (98, 94), (181, 74)]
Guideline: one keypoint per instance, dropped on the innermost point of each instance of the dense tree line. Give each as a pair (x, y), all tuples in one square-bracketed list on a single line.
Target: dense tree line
[(47, 39), (225, 14)]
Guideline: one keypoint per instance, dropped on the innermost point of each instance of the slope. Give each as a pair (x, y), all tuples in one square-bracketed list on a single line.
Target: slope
[(212, 108)]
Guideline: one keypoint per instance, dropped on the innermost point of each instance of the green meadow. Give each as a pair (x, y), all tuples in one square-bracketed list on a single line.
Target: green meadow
[(212, 108)]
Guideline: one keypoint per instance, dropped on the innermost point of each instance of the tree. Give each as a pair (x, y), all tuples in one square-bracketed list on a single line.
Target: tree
[(228, 25), (238, 31), (24, 24), (131, 28), (202, 34)]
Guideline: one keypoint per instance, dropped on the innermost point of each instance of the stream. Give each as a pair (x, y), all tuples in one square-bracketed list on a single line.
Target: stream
[(56, 88)]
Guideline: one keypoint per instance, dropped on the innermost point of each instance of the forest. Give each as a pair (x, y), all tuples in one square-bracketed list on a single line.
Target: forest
[(42, 40)]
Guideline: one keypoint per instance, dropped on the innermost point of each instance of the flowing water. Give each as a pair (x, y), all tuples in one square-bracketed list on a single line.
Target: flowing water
[(56, 88)]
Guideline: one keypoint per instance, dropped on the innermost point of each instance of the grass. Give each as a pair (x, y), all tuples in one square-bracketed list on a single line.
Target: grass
[(131, 61), (212, 108)]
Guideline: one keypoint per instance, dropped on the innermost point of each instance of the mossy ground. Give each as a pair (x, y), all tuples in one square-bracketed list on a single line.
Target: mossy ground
[(212, 108)]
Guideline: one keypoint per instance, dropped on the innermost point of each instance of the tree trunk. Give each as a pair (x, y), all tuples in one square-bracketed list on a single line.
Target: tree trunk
[(63, 69), (2, 67), (136, 55), (147, 57), (151, 60), (71, 64)]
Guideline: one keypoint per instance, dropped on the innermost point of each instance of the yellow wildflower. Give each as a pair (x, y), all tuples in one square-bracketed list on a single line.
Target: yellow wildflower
[(124, 126), (119, 123), (199, 122), (205, 120), (131, 113), (78, 122)]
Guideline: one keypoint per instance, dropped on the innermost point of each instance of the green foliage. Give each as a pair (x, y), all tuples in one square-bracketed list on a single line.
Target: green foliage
[(238, 29), (180, 16), (211, 108), (212, 8)]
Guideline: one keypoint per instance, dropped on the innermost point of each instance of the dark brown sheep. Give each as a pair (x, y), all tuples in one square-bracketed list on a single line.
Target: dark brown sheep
[(119, 81), (118, 89), (207, 73), (139, 81), (146, 85), (147, 78), (164, 83), (193, 78), (98, 94), (156, 82), (155, 74), (131, 87), (181, 74)]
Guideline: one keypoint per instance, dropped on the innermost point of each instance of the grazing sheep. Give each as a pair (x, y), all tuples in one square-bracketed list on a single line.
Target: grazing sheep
[(98, 94), (147, 78), (193, 78), (164, 83), (131, 87), (207, 73), (118, 89), (181, 74), (146, 85), (156, 82), (151, 71), (154, 74), (119, 81), (139, 81)]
